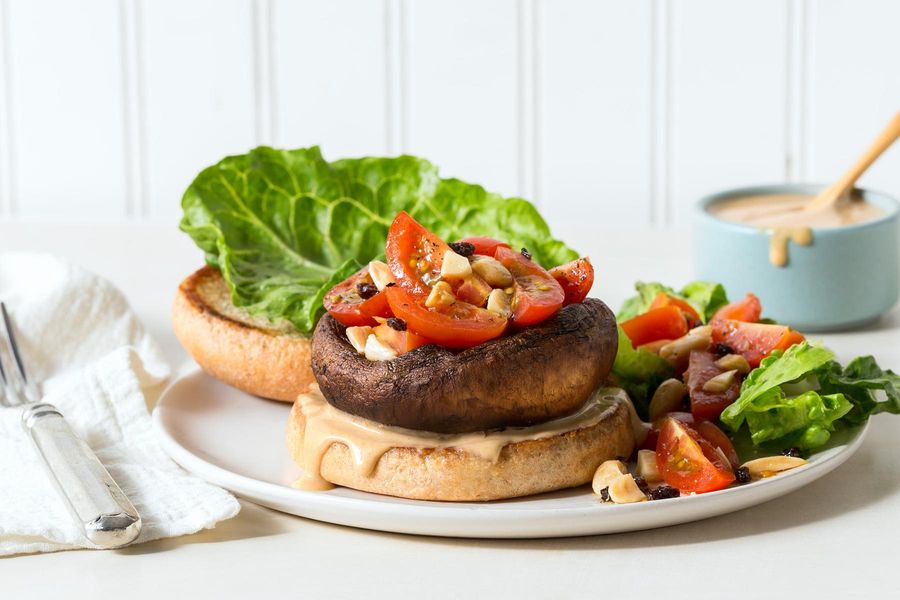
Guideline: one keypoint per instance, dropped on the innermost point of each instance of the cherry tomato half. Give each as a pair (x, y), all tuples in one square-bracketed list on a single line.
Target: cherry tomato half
[(664, 323), (707, 429), (576, 279), (664, 299), (749, 309), (484, 245), (688, 461), (414, 254), (344, 302), (537, 295), (754, 341), (460, 325)]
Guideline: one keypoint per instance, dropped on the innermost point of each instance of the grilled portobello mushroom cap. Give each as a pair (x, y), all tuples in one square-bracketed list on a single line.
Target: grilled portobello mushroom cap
[(527, 377)]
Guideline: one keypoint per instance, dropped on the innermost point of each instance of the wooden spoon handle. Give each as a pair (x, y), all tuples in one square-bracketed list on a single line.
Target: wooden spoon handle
[(839, 188)]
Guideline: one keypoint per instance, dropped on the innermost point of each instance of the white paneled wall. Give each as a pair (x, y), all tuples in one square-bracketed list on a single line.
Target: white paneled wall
[(622, 111)]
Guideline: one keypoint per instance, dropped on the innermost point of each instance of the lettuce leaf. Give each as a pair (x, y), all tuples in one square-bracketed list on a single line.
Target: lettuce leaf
[(706, 297), (861, 381), (283, 226), (639, 373), (779, 405), (805, 421)]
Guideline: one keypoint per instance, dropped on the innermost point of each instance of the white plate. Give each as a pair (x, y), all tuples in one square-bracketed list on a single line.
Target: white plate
[(236, 441)]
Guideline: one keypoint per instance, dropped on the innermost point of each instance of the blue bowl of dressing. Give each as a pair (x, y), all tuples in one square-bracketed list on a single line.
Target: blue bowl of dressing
[(846, 277)]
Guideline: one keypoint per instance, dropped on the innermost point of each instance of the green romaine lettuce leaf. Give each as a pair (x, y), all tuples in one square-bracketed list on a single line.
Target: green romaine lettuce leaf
[(283, 226), (706, 297), (805, 421), (639, 373), (762, 385), (778, 404), (861, 381)]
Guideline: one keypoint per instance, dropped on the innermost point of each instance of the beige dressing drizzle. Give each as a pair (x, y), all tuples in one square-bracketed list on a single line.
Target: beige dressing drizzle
[(368, 440), (784, 217)]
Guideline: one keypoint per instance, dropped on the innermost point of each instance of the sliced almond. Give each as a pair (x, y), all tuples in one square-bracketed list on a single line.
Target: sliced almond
[(498, 302), (678, 351), (667, 398), (358, 337), (606, 473), (772, 465), (441, 295), (720, 382), (734, 361), (624, 490), (492, 271), (378, 350), (381, 274), (455, 266), (646, 466)]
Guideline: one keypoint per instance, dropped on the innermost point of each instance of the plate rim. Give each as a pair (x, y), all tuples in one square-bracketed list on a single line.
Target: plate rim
[(278, 496)]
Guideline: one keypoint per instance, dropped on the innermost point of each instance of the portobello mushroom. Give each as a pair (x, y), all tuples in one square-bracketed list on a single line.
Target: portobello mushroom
[(534, 375)]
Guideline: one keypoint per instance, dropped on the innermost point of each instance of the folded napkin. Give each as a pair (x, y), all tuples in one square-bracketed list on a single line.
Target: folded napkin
[(100, 368)]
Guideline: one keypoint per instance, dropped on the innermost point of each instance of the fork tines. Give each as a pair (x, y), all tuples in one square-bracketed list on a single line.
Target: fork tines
[(15, 386)]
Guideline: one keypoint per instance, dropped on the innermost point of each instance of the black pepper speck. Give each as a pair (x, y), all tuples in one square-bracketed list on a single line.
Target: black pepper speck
[(526, 253), (742, 475)]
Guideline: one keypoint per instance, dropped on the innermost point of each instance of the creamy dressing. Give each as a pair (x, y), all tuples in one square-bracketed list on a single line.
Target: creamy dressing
[(786, 219), (368, 441)]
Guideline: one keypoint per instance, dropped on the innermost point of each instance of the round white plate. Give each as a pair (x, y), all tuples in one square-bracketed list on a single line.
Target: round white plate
[(236, 440)]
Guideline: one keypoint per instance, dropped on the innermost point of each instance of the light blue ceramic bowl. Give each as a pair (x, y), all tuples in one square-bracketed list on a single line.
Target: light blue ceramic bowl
[(849, 276)]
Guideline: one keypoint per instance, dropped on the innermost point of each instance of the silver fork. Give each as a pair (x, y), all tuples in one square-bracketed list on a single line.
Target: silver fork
[(96, 502)]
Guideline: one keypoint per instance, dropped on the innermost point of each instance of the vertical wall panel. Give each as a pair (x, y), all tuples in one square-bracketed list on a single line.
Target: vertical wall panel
[(463, 78), (331, 84), (594, 110), (854, 88), (6, 186), (198, 87), (67, 119), (728, 77)]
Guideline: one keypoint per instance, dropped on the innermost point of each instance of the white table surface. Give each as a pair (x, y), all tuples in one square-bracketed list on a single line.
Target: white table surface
[(835, 538)]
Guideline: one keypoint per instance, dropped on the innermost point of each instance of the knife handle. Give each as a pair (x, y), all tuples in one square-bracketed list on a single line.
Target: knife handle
[(96, 502)]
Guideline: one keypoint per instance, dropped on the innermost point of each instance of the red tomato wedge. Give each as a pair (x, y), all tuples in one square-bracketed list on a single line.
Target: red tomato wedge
[(344, 303), (749, 309), (401, 341), (707, 429), (662, 299), (414, 254), (484, 245), (688, 461), (537, 295), (754, 341), (576, 279), (667, 323), (708, 405), (718, 439), (460, 325)]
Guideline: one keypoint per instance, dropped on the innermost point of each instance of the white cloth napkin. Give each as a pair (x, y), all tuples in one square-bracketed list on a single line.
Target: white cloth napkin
[(99, 367)]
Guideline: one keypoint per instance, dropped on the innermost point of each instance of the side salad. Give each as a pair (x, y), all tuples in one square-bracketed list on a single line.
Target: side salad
[(705, 371)]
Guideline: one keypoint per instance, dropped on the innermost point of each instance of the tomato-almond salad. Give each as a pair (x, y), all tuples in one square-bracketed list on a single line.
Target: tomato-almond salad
[(706, 373), (456, 295)]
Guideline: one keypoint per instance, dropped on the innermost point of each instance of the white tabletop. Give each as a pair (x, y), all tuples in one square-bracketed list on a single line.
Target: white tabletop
[(836, 537)]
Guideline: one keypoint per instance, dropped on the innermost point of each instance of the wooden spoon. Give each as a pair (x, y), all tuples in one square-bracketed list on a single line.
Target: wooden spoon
[(842, 186)]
